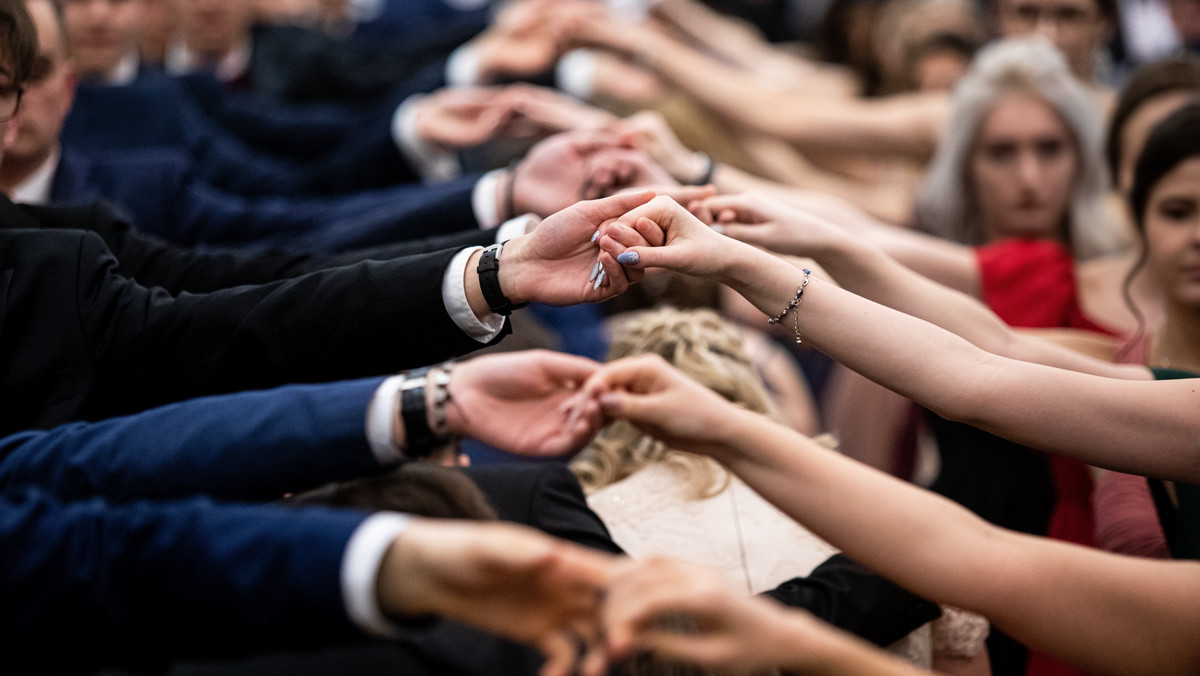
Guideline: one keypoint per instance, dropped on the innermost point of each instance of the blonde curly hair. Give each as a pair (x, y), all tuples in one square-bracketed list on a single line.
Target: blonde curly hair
[(705, 347)]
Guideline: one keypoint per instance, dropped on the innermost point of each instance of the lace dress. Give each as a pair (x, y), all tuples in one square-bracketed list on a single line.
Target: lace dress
[(751, 542)]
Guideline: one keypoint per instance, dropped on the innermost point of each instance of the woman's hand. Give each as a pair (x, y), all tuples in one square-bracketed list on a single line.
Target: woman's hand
[(679, 241), (649, 132), (693, 614), (760, 220), (665, 404)]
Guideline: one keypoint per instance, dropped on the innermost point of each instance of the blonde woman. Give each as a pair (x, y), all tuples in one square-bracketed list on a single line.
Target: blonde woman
[(659, 501)]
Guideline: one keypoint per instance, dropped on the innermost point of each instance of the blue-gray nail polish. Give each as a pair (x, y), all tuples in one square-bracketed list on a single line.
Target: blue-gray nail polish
[(595, 236), (599, 279), (595, 271), (629, 258)]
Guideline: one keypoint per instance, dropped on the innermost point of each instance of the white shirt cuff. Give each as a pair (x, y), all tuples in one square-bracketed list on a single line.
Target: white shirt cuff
[(454, 295), (515, 227), (433, 163), (360, 571), (462, 68), (362, 11), (379, 422), (575, 73), (485, 199)]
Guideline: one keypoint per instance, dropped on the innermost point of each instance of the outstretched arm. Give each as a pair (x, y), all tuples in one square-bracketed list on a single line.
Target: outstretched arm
[(900, 125), (852, 257), (1108, 613), (731, 630), (1147, 428)]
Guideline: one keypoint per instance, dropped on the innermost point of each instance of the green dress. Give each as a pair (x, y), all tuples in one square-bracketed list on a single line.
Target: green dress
[(1180, 524)]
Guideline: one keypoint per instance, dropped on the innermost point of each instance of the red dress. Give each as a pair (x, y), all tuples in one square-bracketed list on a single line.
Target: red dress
[(1031, 284)]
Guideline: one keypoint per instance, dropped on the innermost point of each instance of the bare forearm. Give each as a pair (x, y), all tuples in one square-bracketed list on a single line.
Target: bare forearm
[(868, 272), (1076, 603), (1141, 427)]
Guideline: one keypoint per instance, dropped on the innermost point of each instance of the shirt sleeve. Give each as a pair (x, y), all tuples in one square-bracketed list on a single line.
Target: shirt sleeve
[(379, 422), (360, 571), (433, 163), (454, 294)]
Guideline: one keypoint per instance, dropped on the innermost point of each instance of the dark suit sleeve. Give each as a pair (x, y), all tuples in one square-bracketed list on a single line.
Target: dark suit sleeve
[(154, 262), (849, 596), (545, 496), (329, 224), (243, 446), (90, 584), (150, 348)]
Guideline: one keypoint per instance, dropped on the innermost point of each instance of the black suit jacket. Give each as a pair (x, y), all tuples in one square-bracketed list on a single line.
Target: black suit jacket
[(80, 339)]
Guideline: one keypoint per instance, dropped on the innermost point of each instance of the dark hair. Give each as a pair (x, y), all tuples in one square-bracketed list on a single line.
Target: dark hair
[(415, 488), (19, 38), (1171, 142), (1147, 82)]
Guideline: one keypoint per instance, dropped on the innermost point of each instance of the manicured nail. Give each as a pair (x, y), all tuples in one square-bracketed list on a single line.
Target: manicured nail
[(595, 236), (595, 271), (599, 280), (629, 258), (719, 229)]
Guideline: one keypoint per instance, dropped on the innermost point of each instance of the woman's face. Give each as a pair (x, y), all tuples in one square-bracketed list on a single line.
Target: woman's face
[(1172, 226), (1022, 169)]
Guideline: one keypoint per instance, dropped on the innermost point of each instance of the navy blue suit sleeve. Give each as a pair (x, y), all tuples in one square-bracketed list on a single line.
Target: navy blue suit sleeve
[(92, 584), (326, 224), (244, 446)]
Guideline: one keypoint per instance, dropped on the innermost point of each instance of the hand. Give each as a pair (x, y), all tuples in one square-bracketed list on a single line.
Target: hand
[(649, 132), (520, 42), (691, 247), (540, 111), (762, 221), (530, 403), (566, 168), (559, 264), (666, 404), (502, 578), (694, 615), (460, 118)]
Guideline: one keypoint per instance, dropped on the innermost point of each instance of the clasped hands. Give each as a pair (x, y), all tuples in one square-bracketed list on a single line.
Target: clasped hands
[(581, 608)]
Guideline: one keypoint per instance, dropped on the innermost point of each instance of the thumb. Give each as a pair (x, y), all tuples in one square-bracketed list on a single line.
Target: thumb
[(616, 205), (643, 257)]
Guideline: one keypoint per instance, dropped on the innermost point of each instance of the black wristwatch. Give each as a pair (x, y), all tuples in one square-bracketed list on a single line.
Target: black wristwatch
[(489, 282)]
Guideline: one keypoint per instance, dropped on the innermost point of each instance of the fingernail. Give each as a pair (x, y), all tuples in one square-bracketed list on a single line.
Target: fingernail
[(629, 258), (595, 236), (595, 271), (599, 279), (719, 229)]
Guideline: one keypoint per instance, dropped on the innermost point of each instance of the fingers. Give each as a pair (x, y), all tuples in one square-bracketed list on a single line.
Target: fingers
[(564, 368), (732, 207), (617, 205)]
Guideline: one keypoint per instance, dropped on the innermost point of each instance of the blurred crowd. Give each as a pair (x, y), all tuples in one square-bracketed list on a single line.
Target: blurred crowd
[(794, 336)]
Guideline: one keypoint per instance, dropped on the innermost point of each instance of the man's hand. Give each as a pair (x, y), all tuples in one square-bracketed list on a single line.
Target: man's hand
[(502, 578), (560, 264), (524, 402), (540, 111), (460, 118)]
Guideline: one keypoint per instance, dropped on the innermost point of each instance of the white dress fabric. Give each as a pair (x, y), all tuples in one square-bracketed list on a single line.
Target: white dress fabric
[(747, 539)]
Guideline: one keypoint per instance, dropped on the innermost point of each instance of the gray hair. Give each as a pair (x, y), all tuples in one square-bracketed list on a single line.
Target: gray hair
[(945, 205)]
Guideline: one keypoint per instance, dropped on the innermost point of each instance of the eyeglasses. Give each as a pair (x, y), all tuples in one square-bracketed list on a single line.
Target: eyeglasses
[(10, 101)]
